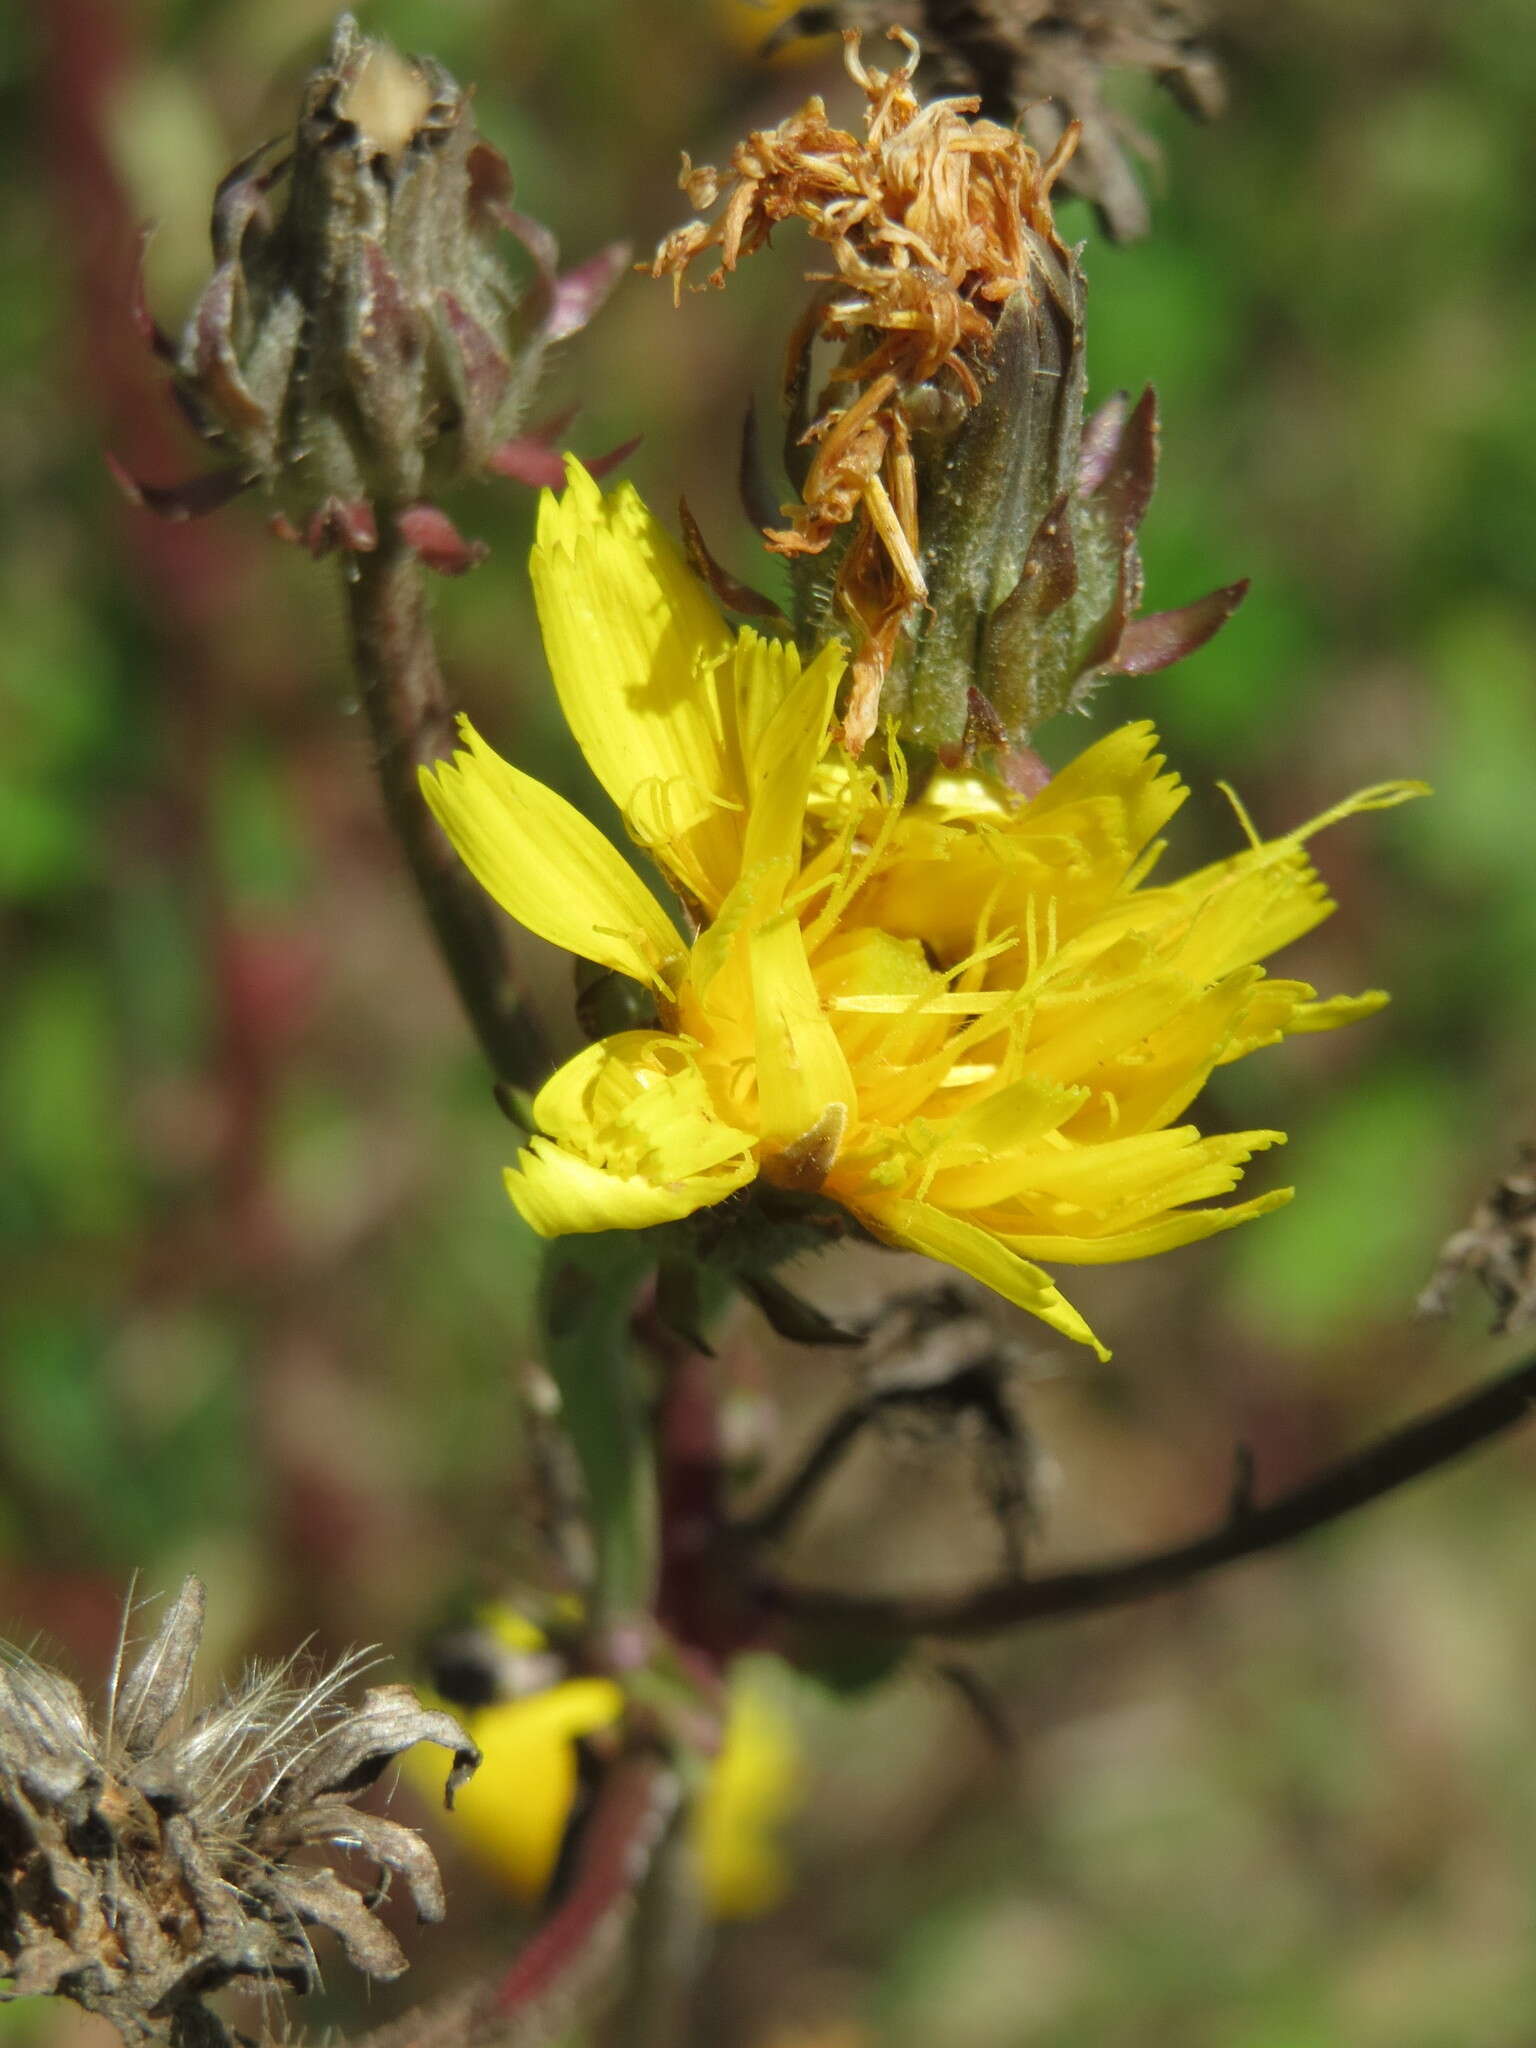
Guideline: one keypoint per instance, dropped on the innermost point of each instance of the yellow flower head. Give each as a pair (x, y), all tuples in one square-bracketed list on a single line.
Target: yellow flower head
[(511, 1817), (968, 1020)]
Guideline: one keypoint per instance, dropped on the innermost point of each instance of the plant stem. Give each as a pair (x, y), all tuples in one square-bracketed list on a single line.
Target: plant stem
[(570, 1974), (1393, 1460), (667, 1947), (412, 725)]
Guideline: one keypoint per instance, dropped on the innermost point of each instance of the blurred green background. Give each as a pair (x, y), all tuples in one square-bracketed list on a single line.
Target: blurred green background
[(263, 1306)]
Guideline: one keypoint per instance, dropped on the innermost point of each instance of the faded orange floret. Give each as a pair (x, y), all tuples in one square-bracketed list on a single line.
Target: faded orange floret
[(934, 220)]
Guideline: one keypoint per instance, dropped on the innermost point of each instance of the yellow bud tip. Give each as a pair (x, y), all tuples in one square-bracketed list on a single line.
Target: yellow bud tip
[(387, 100)]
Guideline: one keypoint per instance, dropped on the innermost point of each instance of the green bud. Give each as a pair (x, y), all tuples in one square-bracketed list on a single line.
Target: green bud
[(361, 345)]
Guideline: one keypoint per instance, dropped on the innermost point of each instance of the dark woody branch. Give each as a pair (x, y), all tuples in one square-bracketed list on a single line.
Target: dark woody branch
[(1409, 1453)]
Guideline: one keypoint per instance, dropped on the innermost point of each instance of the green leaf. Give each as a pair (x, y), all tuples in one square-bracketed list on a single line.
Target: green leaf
[(586, 1296)]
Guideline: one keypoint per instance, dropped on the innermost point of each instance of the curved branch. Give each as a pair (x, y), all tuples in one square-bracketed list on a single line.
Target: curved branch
[(1419, 1447)]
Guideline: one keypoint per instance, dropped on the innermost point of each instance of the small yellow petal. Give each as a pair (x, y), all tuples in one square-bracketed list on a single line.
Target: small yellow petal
[(1329, 1014), (919, 1227), (1109, 1188), (1168, 1233), (781, 758), (635, 647), (639, 1097), (512, 1814), (988, 1151), (757, 1781), (1259, 900), (803, 1078), (1124, 767), (547, 865)]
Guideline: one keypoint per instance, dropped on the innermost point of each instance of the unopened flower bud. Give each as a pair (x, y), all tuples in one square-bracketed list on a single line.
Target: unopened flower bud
[(361, 346)]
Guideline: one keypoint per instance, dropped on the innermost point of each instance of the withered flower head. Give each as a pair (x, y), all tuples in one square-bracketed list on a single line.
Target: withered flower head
[(361, 345), (1044, 62), (955, 513), (1496, 1247), (154, 1854)]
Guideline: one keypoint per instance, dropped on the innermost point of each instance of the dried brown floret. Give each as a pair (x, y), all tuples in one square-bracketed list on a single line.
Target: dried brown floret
[(148, 1858), (1044, 62), (935, 221), (958, 516)]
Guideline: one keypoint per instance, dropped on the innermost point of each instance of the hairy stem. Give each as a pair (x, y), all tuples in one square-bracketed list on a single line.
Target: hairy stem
[(1393, 1460), (412, 725)]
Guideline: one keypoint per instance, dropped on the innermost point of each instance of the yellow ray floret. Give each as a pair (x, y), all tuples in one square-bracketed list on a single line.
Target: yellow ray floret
[(970, 1019), (512, 1816)]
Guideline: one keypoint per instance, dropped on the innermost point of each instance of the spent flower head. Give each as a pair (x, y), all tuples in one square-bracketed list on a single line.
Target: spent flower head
[(966, 1020), (955, 514), (1045, 65), (1496, 1247), (154, 1853)]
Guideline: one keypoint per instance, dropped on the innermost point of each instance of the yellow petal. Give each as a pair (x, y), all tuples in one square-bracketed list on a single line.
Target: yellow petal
[(1081, 1023), (1329, 1014), (639, 1099), (512, 1814), (919, 1227), (987, 1151), (1123, 767), (1156, 1081), (882, 991), (791, 712), (547, 865), (804, 1087), (635, 647), (757, 1780), (1110, 1186), (1262, 899), (1179, 1227)]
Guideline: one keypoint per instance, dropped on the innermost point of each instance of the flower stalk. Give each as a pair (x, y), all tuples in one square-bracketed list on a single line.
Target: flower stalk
[(411, 725), (359, 350)]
